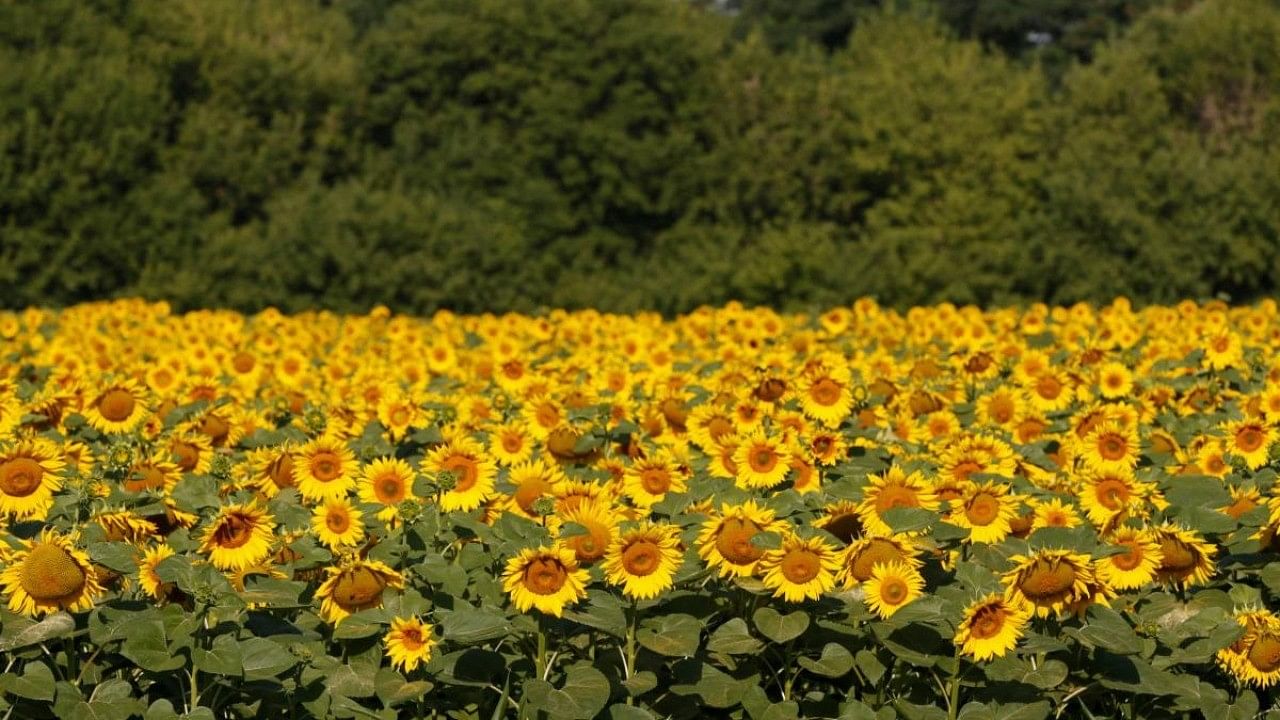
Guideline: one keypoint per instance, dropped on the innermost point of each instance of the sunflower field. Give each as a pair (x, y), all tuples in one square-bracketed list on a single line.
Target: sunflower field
[(1045, 512)]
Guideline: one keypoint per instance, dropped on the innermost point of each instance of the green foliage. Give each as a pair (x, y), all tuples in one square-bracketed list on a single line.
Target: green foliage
[(623, 154)]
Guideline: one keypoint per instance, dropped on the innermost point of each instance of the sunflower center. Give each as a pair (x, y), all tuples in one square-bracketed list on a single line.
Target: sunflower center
[(1264, 653), (734, 541), (358, 587), (896, 496), (987, 622), (845, 526), (655, 481), (876, 552), (389, 490), (512, 443), (51, 573), (233, 532), (411, 638), (801, 566), (1048, 387), (337, 521), (400, 416), (1178, 556), (1002, 409), (116, 404), (215, 427), (641, 558), (762, 459), (545, 576), (893, 591), (326, 466), (719, 427), (825, 392), (147, 477), (592, 545), (1240, 506), (20, 477), (983, 509), (281, 471), (188, 455), (963, 470), (464, 468), (1047, 580), (1112, 447), (243, 362), (1112, 494), (1131, 558), (1249, 439)]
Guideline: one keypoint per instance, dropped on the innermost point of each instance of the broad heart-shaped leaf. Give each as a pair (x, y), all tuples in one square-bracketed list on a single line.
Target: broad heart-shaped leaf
[(778, 627), (1196, 491), (393, 689), (35, 682), (675, 635), (160, 710), (733, 638), (147, 646), (350, 681), (640, 683), (835, 661), (629, 712), (111, 700), (717, 689), (222, 658), (1046, 675), (468, 625), (1245, 707), (21, 632), (584, 694), (602, 611), (118, 556), (366, 623), (902, 519), (1105, 628), (264, 659), (858, 710)]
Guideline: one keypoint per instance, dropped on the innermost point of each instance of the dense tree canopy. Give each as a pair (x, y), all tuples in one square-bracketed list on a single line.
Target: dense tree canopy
[(493, 155)]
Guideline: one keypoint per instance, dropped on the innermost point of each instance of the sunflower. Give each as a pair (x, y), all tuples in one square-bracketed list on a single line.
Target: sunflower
[(991, 627), (355, 585), (1115, 381), (860, 558), (398, 413), (1250, 440), (708, 425), (473, 473), (599, 520), (1048, 580), (648, 480), (337, 523), (1106, 495), (644, 559), (241, 535), (891, 586), (117, 407), (841, 520), (725, 542), (987, 511), (51, 574), (1134, 567), (801, 568), (1110, 448), (1186, 559), (533, 480), (29, 478), (548, 579), (761, 462), (827, 397), (386, 482), (510, 444), (191, 451), (124, 526), (150, 581), (409, 643), (1054, 513), (324, 469), (1254, 659), (152, 472), (893, 489)]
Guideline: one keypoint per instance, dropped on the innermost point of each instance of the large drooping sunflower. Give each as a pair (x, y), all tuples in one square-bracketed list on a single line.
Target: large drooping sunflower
[(337, 523), (472, 473), (761, 461), (643, 560), (410, 643), (117, 407), (386, 482), (324, 469), (355, 585), (1136, 565), (991, 627), (890, 587), (124, 526), (271, 469), (725, 542), (801, 569), (1186, 559), (987, 510), (152, 472), (1254, 659), (151, 582), (51, 574), (893, 489), (1049, 580), (545, 578), (240, 536), (29, 478)]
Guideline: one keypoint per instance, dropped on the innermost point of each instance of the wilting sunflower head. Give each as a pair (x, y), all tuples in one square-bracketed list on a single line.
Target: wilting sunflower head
[(861, 557), (354, 586), (1186, 559), (1049, 580), (600, 522), (1254, 658), (547, 579), (51, 574)]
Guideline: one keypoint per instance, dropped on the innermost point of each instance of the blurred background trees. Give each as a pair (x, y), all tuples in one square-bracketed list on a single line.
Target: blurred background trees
[(624, 154)]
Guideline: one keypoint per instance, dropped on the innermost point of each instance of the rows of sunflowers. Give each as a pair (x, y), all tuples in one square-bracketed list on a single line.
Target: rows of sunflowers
[(942, 513)]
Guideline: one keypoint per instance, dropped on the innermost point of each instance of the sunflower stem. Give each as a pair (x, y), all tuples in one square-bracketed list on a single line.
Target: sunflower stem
[(540, 662), (73, 660), (631, 649)]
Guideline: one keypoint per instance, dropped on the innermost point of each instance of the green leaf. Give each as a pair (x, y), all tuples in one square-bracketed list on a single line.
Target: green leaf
[(584, 694), (468, 625), (147, 646), (359, 625), (717, 689), (350, 681), (222, 658), (35, 682), (392, 688), (835, 661), (161, 710), (117, 556), (111, 700), (602, 611), (778, 627), (629, 712), (640, 683), (901, 519), (733, 638), (1196, 491), (675, 635), (870, 665), (1107, 629), (23, 633), (264, 659)]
